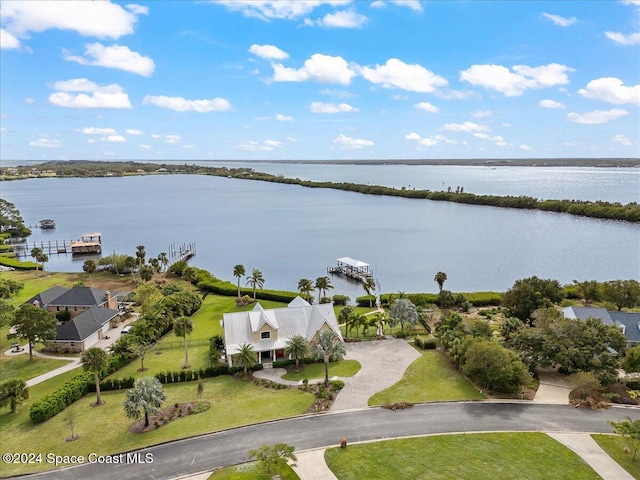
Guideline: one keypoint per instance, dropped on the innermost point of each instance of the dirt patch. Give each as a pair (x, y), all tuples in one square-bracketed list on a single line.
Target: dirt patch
[(168, 415)]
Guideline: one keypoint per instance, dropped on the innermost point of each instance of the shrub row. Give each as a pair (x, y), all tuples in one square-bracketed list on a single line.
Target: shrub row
[(422, 300), (285, 363), (425, 343), (52, 404)]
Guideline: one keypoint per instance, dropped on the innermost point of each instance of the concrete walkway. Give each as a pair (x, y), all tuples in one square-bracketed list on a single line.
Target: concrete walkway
[(311, 466), (587, 448), (275, 375)]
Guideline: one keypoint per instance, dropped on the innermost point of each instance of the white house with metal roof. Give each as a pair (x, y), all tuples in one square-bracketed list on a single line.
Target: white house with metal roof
[(267, 331)]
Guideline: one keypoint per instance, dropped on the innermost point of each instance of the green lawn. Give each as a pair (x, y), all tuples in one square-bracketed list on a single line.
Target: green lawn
[(233, 403), (250, 471), (165, 360), (430, 378), (343, 368), (21, 367), (496, 456), (614, 445)]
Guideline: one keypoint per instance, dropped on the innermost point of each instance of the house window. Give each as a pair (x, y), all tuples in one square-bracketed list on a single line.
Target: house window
[(72, 344), (57, 309), (265, 335)]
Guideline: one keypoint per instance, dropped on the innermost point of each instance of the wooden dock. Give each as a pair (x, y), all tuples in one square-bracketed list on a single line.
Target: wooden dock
[(181, 252), (352, 268), (51, 247)]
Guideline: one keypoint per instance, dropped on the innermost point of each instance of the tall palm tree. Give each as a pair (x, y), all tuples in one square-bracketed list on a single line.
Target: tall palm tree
[(369, 285), (13, 392), (246, 357), (140, 254), (440, 278), (323, 284), (146, 395), (328, 347), (344, 318), (95, 360), (36, 253), (238, 272), (297, 347), (183, 326), (305, 286), (256, 280), (163, 259), (90, 267)]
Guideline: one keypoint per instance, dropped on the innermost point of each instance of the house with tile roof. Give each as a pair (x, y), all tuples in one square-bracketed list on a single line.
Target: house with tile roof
[(268, 331), (92, 313), (627, 322)]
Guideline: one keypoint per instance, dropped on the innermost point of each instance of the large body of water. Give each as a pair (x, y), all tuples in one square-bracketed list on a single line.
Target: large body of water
[(290, 232)]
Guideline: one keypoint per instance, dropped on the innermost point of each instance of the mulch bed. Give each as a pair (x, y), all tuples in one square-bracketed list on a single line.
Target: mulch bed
[(168, 415)]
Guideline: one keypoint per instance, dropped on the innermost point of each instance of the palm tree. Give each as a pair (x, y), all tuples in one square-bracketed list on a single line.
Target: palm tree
[(328, 347), (440, 278), (163, 259), (369, 286), (403, 311), (189, 274), (36, 253), (146, 273), (297, 347), (147, 394), (323, 284), (344, 318), (256, 280), (155, 264), (90, 267), (13, 392), (305, 286), (238, 272), (140, 254), (42, 258), (95, 360), (246, 357), (183, 326), (130, 263)]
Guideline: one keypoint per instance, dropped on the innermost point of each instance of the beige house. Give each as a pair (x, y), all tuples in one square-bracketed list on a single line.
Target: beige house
[(267, 331)]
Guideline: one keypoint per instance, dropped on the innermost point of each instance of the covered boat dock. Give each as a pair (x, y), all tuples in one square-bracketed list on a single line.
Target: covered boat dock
[(352, 268)]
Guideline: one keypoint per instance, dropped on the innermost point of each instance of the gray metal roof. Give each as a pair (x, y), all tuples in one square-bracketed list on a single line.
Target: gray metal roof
[(80, 296), (48, 296), (85, 324), (630, 320)]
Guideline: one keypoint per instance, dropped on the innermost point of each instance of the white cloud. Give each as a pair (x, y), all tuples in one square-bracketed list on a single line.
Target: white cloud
[(526, 148), (255, 146), (427, 141), (321, 107), (156, 136), (180, 104), (109, 96), (91, 140), (114, 139), (426, 107), (172, 139), (622, 39), (497, 139), (115, 56), (320, 68), (132, 131), (343, 19), (378, 4), (138, 9), (412, 4), (188, 146), (622, 140), (270, 52), (514, 83), (98, 131), (560, 21), (29, 100), (3, 131), (144, 146), (597, 117), (45, 143), (277, 9), (481, 113), (468, 127), (291, 139), (102, 19), (352, 143), (8, 41), (547, 103), (332, 92), (283, 118), (612, 90), (396, 73)]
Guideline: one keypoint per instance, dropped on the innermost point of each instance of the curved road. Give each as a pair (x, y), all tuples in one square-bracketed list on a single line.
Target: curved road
[(208, 452)]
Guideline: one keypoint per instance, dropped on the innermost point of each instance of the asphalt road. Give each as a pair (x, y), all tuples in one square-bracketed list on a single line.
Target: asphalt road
[(230, 447)]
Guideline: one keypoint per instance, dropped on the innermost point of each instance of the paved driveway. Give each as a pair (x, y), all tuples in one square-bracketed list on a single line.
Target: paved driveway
[(383, 364)]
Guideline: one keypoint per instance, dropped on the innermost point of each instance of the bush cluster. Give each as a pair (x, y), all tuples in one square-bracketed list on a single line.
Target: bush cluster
[(425, 343), (52, 404)]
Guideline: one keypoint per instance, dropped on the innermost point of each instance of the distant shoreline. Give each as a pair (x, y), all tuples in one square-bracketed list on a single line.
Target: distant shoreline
[(480, 162)]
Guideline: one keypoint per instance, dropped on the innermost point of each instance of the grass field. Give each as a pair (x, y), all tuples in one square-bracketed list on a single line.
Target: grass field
[(614, 445), (233, 403), (21, 367), (343, 368), (250, 471), (429, 378), (496, 456)]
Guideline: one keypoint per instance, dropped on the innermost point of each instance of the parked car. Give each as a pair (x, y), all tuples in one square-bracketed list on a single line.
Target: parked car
[(126, 329)]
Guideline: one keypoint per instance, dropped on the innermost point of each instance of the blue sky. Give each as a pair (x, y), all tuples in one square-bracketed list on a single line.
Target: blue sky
[(162, 80)]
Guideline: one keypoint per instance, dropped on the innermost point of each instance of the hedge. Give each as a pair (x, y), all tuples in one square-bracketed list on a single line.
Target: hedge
[(425, 343), (17, 264), (52, 404), (422, 300)]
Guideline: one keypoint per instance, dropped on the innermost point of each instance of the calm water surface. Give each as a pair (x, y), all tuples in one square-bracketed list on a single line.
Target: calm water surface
[(291, 232)]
